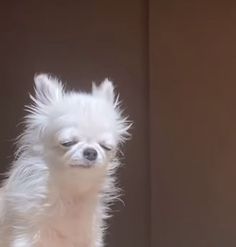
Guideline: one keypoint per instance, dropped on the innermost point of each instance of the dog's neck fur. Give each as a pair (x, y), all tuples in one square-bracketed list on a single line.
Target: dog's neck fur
[(73, 209)]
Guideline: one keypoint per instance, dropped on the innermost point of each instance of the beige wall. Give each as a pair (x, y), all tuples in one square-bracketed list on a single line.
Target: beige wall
[(193, 119)]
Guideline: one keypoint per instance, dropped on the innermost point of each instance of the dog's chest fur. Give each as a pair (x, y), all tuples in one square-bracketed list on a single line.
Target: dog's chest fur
[(71, 223)]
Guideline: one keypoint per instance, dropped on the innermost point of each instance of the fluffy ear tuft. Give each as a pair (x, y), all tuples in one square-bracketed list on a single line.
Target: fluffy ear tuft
[(47, 89), (105, 90)]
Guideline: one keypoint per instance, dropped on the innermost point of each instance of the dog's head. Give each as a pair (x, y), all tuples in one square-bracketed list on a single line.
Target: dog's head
[(74, 129)]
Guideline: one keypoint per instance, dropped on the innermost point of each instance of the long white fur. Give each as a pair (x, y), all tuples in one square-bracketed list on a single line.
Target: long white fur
[(52, 197)]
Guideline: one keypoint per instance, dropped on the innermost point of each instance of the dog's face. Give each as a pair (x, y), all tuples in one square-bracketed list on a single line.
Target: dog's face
[(76, 130)]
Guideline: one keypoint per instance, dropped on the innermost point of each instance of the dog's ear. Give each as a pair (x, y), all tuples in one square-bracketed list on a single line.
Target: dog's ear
[(105, 90), (47, 89)]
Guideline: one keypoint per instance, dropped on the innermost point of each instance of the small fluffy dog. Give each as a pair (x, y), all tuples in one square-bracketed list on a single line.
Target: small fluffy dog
[(61, 183)]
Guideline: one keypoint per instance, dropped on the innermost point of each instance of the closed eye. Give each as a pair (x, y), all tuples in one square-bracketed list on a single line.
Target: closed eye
[(68, 143), (105, 147)]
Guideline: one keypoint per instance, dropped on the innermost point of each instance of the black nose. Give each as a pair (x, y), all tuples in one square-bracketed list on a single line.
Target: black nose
[(90, 154)]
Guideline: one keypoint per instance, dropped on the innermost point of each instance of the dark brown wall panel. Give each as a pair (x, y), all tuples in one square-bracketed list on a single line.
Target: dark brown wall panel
[(81, 41), (193, 119)]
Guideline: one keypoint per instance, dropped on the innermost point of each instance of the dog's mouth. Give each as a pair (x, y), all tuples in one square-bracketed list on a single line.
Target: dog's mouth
[(81, 166), (86, 165)]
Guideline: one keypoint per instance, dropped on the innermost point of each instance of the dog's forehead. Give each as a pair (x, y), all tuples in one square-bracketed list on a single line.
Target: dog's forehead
[(89, 116), (86, 108), (84, 104), (86, 125)]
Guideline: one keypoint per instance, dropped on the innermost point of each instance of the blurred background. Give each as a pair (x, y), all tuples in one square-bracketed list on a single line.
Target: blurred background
[(174, 64)]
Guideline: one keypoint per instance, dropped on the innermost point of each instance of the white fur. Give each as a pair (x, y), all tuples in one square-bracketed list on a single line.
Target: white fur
[(54, 196)]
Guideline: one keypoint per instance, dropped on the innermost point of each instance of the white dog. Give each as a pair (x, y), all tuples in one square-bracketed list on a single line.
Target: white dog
[(61, 183)]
